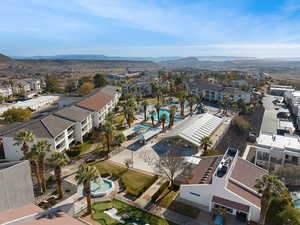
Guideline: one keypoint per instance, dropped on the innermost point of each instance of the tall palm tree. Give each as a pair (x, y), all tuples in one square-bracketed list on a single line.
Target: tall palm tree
[(108, 130), (84, 176), (163, 120), (172, 115), (181, 97), (269, 186), (157, 107), (23, 138), (33, 159), (191, 100), (205, 143), (40, 149), (145, 105), (110, 117), (57, 161), (152, 117), (129, 114)]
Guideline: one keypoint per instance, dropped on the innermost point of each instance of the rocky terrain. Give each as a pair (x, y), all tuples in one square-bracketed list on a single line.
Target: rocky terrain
[(18, 68)]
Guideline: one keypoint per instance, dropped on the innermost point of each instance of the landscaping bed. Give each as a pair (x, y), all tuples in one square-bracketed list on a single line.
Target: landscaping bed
[(135, 183), (124, 210), (184, 209)]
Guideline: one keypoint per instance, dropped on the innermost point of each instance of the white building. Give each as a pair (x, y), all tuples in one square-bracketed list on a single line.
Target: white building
[(66, 127), (273, 151), (225, 182), (280, 89), (212, 92), (101, 103), (6, 91)]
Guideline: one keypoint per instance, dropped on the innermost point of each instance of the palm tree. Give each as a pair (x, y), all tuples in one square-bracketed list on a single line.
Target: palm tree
[(109, 117), (152, 117), (163, 120), (145, 105), (23, 138), (172, 115), (84, 176), (33, 159), (57, 161), (181, 97), (107, 130), (157, 107), (40, 149), (191, 100), (205, 143), (269, 186)]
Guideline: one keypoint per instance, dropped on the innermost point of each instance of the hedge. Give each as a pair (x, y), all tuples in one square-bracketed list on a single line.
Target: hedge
[(156, 195)]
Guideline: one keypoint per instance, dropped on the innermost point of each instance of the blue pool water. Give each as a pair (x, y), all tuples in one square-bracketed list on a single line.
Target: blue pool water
[(164, 111), (297, 203), (101, 186), (142, 126)]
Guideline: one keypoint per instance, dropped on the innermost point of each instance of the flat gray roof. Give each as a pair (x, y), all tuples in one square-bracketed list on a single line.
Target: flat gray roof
[(269, 123), (55, 125)]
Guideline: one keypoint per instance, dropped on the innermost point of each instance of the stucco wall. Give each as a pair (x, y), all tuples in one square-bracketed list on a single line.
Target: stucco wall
[(16, 186)]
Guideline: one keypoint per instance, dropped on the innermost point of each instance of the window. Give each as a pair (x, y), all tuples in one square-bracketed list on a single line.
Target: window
[(193, 193)]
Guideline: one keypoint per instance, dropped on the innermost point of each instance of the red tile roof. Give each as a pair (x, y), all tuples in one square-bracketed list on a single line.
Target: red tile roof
[(230, 204), (96, 102), (244, 193)]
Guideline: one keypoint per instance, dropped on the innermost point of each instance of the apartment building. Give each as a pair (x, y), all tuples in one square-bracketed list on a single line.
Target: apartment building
[(101, 103), (280, 90), (274, 151), (225, 182), (65, 127), (212, 92)]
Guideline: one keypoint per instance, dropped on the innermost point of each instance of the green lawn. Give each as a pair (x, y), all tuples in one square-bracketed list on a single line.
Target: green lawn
[(124, 209), (84, 147), (135, 183)]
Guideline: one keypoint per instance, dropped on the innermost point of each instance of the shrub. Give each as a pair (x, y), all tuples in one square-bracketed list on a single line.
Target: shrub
[(156, 195), (16, 115), (73, 152)]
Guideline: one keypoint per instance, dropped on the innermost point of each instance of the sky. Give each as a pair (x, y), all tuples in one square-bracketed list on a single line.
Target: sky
[(143, 28)]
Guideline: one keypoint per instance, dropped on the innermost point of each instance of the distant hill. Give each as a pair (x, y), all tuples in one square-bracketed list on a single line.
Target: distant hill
[(190, 62), (4, 58)]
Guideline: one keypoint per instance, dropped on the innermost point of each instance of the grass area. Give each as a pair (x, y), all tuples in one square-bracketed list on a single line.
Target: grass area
[(84, 147), (151, 100), (135, 183), (184, 209), (124, 209), (167, 197)]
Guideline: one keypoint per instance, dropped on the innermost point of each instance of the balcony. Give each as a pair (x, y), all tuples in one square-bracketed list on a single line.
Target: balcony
[(59, 138), (60, 147)]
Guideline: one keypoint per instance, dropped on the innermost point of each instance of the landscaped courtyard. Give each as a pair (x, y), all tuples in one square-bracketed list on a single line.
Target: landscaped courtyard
[(129, 214), (135, 183)]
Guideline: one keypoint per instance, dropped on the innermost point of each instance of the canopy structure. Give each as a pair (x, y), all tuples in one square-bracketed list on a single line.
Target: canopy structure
[(197, 127), (150, 134), (32, 104)]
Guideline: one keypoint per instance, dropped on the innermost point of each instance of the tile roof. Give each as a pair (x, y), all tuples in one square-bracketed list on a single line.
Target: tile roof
[(74, 113), (55, 125), (205, 168), (95, 102), (244, 193), (35, 126), (230, 204), (246, 173), (110, 90)]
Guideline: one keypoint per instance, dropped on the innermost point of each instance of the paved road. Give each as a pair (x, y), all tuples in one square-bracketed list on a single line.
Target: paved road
[(269, 123)]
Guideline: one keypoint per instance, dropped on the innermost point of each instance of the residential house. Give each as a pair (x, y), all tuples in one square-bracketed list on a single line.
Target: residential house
[(16, 185), (280, 89), (274, 151), (225, 182)]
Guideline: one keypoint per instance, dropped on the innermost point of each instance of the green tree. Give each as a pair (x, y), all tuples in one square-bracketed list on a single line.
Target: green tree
[(52, 84), (145, 105), (157, 108), (205, 143), (269, 186), (110, 117), (84, 176), (108, 130), (290, 216), (120, 138), (16, 115), (40, 149), (99, 80), (163, 120), (152, 113), (191, 100), (23, 138), (57, 161), (71, 86), (83, 80)]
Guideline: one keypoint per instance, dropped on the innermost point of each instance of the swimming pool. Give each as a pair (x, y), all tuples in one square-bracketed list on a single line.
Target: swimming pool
[(164, 111), (101, 187), (297, 203)]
